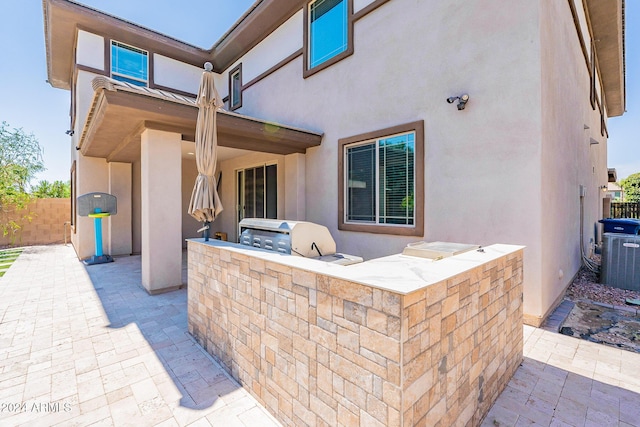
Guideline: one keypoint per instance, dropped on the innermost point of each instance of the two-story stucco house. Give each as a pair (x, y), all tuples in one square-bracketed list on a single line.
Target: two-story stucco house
[(338, 113)]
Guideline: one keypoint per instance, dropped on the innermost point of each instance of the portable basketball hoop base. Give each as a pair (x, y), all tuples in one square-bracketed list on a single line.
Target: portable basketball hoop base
[(99, 257), (97, 206)]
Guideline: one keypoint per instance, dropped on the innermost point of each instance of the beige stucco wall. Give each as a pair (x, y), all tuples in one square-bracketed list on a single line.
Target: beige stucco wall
[(482, 165), (569, 160), (189, 225), (281, 43), (118, 241), (136, 207), (161, 213), (90, 50), (295, 186), (175, 74), (508, 168), (93, 176)]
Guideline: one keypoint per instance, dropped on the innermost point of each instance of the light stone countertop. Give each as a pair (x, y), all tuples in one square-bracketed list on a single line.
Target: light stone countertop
[(398, 273)]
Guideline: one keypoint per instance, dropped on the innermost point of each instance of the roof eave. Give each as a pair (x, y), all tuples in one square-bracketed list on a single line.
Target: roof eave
[(608, 26), (63, 18), (264, 17)]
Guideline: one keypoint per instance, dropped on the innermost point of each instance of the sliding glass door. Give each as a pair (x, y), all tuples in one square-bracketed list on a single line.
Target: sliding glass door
[(257, 192)]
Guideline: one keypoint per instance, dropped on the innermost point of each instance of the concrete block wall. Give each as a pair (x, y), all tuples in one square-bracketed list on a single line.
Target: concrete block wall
[(317, 350), (47, 224)]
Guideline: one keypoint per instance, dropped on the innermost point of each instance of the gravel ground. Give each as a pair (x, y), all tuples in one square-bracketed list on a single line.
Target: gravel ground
[(586, 287)]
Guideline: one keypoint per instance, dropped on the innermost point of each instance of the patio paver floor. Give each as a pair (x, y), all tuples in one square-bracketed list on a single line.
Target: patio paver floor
[(83, 346), (88, 346)]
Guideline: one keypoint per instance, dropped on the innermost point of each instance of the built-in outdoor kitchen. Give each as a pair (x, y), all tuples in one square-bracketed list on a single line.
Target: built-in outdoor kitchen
[(429, 336)]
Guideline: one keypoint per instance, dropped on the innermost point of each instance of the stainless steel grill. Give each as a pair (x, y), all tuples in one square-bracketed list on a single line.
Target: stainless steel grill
[(299, 238)]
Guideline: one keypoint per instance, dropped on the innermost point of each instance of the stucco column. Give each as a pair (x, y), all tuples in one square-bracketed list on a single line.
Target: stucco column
[(161, 210), (92, 176), (294, 187), (118, 241)]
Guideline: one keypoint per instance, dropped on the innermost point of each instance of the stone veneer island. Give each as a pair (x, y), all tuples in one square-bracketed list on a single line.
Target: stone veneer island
[(394, 341)]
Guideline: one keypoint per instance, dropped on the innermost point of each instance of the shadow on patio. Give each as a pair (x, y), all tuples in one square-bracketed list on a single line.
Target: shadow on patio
[(90, 346), (569, 382), (162, 322)]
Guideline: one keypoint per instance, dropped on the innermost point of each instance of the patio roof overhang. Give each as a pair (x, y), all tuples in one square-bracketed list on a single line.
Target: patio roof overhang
[(121, 112)]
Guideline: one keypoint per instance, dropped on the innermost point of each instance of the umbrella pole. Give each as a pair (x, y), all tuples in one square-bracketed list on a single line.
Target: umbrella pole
[(205, 232)]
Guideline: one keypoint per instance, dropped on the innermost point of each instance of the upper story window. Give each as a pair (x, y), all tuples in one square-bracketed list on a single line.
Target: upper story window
[(235, 88), (382, 180), (129, 64), (328, 32)]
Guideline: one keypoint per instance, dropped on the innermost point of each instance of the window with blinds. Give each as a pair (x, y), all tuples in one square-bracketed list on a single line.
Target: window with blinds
[(380, 184)]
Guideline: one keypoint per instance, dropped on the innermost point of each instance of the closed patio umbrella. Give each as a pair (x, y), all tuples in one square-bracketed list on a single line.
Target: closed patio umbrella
[(205, 203)]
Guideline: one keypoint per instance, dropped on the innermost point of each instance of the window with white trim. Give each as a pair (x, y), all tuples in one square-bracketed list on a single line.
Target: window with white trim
[(129, 64), (382, 181), (328, 30)]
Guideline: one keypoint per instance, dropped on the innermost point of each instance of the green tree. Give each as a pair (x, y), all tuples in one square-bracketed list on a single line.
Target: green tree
[(56, 189), (20, 160), (631, 186)]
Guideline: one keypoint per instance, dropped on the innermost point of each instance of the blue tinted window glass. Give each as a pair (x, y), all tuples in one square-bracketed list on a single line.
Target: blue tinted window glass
[(327, 30), (235, 89), (128, 63)]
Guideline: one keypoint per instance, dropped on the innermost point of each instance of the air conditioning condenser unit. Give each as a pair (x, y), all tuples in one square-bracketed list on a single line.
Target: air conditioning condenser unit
[(621, 261)]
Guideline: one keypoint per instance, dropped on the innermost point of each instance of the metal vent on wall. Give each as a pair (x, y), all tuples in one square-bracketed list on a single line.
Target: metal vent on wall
[(621, 261)]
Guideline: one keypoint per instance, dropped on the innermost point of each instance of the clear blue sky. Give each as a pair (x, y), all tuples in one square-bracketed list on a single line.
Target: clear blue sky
[(28, 102)]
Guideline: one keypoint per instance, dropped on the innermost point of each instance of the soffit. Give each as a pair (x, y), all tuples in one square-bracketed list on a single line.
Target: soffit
[(63, 18), (264, 17), (608, 26), (121, 112)]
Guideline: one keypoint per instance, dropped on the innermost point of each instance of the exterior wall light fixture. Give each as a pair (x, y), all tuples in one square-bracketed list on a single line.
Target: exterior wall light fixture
[(462, 100)]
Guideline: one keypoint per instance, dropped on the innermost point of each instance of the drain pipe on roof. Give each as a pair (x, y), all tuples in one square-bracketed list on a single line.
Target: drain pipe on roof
[(586, 261)]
